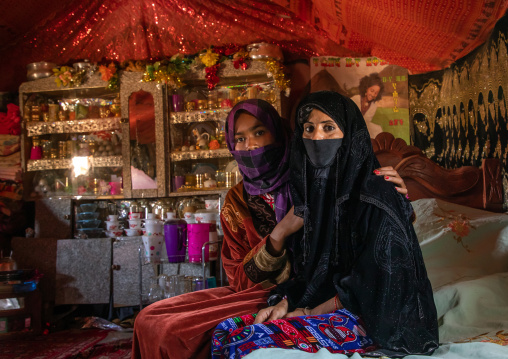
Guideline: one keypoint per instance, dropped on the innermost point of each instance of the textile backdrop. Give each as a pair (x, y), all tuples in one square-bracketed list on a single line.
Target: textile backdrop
[(421, 35)]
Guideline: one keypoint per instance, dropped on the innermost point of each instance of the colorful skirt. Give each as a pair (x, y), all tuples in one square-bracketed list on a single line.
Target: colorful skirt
[(339, 332)]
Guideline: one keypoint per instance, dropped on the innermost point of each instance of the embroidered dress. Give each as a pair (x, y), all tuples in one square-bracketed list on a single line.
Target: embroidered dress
[(338, 332), (269, 199), (182, 326)]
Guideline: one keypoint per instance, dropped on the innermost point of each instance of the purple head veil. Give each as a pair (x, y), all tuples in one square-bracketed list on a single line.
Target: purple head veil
[(264, 169)]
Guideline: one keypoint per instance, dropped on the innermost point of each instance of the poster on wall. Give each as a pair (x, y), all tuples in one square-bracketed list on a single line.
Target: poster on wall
[(379, 89)]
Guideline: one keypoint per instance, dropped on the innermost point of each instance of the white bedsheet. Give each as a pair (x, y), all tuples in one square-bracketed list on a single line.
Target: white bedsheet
[(466, 256)]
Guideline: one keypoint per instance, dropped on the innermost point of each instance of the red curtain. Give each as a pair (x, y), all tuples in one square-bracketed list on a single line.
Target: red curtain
[(421, 35)]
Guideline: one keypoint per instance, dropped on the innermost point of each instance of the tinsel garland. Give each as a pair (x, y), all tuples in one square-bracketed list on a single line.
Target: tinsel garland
[(172, 71), (276, 70), (168, 72)]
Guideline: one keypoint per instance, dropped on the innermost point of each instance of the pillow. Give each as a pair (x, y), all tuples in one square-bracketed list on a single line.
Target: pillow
[(460, 242)]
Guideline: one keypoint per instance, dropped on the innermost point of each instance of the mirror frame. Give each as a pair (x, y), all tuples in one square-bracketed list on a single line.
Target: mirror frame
[(132, 82)]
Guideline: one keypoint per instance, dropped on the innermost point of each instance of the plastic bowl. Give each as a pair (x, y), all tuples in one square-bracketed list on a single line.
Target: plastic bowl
[(91, 232), (115, 233), (89, 224), (84, 216), (133, 232), (88, 207)]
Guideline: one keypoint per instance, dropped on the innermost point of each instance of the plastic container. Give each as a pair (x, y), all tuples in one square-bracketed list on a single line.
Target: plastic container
[(175, 236), (198, 234)]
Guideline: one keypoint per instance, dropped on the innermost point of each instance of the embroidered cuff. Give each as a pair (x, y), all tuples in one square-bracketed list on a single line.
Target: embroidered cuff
[(262, 266), (268, 263)]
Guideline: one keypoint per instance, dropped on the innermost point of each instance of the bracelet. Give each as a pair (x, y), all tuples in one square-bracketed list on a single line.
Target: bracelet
[(335, 302)]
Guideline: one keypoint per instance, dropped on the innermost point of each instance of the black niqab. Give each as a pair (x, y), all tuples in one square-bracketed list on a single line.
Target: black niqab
[(358, 240)]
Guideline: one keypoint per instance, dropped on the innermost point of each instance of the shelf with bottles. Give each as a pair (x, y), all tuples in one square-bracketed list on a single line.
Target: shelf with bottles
[(37, 128), (60, 151), (80, 182), (63, 163), (212, 174), (218, 114), (46, 107), (195, 103)]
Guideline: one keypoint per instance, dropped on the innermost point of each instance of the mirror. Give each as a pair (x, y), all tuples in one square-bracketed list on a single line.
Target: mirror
[(142, 140)]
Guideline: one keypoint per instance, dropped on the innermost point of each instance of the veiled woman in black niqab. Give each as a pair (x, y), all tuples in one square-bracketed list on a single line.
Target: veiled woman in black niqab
[(358, 241)]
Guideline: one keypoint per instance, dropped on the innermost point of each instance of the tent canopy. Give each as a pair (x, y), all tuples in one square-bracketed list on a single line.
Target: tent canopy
[(421, 35)]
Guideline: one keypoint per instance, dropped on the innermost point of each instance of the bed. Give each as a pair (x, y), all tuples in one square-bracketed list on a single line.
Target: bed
[(463, 235)]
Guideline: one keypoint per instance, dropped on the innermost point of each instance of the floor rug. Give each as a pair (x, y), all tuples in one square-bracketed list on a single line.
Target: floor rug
[(60, 345), (120, 349)]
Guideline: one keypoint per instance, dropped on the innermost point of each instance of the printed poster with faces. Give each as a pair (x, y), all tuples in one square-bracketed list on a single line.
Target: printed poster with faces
[(380, 90)]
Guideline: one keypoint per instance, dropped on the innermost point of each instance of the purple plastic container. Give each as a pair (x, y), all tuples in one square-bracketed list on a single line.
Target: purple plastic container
[(175, 236)]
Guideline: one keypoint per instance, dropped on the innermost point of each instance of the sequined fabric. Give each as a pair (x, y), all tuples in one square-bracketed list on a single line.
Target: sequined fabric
[(419, 35)]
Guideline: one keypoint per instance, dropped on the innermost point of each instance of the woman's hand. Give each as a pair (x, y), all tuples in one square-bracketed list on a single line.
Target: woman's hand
[(298, 312), (287, 226), (392, 175), (271, 313)]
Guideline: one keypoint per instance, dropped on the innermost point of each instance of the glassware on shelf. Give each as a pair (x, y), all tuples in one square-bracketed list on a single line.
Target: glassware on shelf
[(155, 292), (35, 113)]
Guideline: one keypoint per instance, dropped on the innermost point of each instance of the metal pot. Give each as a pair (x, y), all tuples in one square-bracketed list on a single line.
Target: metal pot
[(83, 65), (264, 50), (39, 70)]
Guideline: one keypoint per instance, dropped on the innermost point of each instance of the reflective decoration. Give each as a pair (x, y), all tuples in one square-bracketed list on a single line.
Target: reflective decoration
[(78, 126), (199, 116), (153, 140), (200, 154), (459, 114), (65, 163)]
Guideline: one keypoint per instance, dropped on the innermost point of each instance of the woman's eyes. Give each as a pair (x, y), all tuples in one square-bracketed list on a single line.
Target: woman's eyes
[(239, 139), (325, 128), (260, 133)]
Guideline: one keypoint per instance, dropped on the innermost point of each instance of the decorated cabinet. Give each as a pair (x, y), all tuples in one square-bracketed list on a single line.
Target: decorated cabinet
[(200, 162), (88, 144)]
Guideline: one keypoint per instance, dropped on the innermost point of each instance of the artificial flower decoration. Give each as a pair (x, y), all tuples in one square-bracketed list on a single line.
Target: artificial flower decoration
[(133, 66), (110, 74), (209, 58), (239, 59), (63, 76), (107, 72), (211, 76), (171, 71)]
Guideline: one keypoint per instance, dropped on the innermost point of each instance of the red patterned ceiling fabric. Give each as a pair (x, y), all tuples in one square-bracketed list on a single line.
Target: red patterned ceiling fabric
[(421, 35)]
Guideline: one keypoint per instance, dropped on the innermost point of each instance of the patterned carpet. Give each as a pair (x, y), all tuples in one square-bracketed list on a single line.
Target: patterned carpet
[(75, 343)]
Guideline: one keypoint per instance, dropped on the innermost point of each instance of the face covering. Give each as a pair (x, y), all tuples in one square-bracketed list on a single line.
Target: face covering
[(260, 167), (322, 152)]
